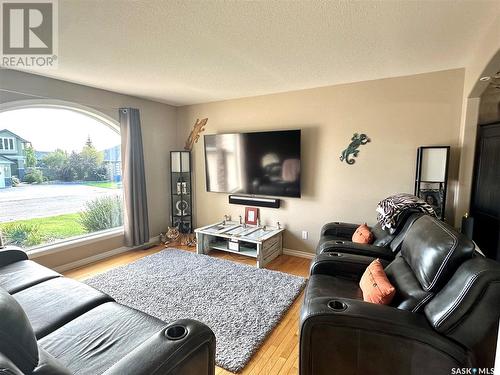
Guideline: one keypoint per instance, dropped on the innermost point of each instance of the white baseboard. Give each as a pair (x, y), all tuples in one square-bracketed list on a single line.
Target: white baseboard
[(298, 253), (107, 254)]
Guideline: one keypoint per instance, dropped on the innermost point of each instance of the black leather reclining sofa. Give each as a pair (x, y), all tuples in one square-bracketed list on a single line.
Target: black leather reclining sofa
[(52, 325), (337, 237), (444, 315)]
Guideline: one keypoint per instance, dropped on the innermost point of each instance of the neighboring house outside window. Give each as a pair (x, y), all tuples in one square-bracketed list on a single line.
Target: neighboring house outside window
[(5, 172), (113, 162), (12, 150)]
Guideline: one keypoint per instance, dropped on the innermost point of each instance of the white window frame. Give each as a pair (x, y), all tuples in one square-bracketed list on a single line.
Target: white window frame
[(6, 141), (70, 243)]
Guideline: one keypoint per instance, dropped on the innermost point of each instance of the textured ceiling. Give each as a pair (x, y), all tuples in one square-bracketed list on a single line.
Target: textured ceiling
[(184, 52)]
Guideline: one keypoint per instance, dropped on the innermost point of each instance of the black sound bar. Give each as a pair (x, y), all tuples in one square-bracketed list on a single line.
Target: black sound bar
[(255, 201)]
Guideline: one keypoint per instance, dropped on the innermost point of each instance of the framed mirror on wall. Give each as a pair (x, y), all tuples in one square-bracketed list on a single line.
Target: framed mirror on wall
[(431, 180)]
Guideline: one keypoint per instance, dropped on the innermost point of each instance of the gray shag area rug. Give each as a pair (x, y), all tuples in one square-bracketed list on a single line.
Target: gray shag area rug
[(240, 303)]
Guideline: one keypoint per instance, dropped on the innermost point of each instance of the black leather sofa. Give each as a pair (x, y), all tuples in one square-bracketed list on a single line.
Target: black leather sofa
[(54, 325), (337, 237), (444, 315)]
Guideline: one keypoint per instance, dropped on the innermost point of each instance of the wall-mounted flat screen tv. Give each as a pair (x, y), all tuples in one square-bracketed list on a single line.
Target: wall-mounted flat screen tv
[(262, 163)]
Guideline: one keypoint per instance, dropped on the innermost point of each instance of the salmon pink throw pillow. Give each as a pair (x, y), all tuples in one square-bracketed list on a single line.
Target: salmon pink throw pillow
[(363, 235), (375, 285)]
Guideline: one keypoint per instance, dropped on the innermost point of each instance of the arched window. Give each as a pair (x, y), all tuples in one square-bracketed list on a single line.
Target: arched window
[(60, 173)]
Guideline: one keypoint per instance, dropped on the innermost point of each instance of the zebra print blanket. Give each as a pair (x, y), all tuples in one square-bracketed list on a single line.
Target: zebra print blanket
[(390, 208)]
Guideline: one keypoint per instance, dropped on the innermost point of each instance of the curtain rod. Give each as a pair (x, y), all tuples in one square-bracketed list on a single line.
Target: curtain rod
[(46, 97)]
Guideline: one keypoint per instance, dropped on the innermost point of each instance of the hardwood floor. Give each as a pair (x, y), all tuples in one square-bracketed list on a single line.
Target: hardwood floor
[(279, 354)]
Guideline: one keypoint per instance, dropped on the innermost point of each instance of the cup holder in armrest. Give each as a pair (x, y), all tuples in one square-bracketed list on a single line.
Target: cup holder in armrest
[(337, 305), (176, 332), (338, 242), (335, 254)]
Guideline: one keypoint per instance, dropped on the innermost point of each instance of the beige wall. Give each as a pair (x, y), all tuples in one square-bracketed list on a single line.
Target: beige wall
[(159, 136), (468, 131), (78, 253), (489, 108), (484, 62), (398, 114)]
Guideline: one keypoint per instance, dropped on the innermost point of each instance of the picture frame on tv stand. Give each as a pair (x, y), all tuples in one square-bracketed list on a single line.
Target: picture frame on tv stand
[(251, 215)]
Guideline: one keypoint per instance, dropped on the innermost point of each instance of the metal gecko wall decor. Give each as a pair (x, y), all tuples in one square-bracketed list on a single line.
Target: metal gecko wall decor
[(356, 141), (198, 128)]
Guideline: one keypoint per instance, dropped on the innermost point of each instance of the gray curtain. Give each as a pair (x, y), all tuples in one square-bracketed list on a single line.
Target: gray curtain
[(135, 219)]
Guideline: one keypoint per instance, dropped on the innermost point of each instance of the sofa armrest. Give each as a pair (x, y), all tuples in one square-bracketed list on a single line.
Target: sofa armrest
[(339, 229), (193, 353), (7, 367), (11, 254), (350, 247), (377, 339), (350, 266)]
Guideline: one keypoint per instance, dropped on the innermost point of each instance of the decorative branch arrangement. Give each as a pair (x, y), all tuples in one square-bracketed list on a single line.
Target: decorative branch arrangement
[(198, 128), (356, 141)]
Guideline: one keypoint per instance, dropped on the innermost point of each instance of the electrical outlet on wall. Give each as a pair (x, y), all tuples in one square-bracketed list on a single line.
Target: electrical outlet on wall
[(305, 234)]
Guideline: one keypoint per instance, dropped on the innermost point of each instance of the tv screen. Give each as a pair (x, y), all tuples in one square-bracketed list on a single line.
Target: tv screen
[(264, 163)]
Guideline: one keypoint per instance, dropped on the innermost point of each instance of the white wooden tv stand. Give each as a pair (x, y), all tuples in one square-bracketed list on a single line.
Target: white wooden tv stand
[(262, 243)]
